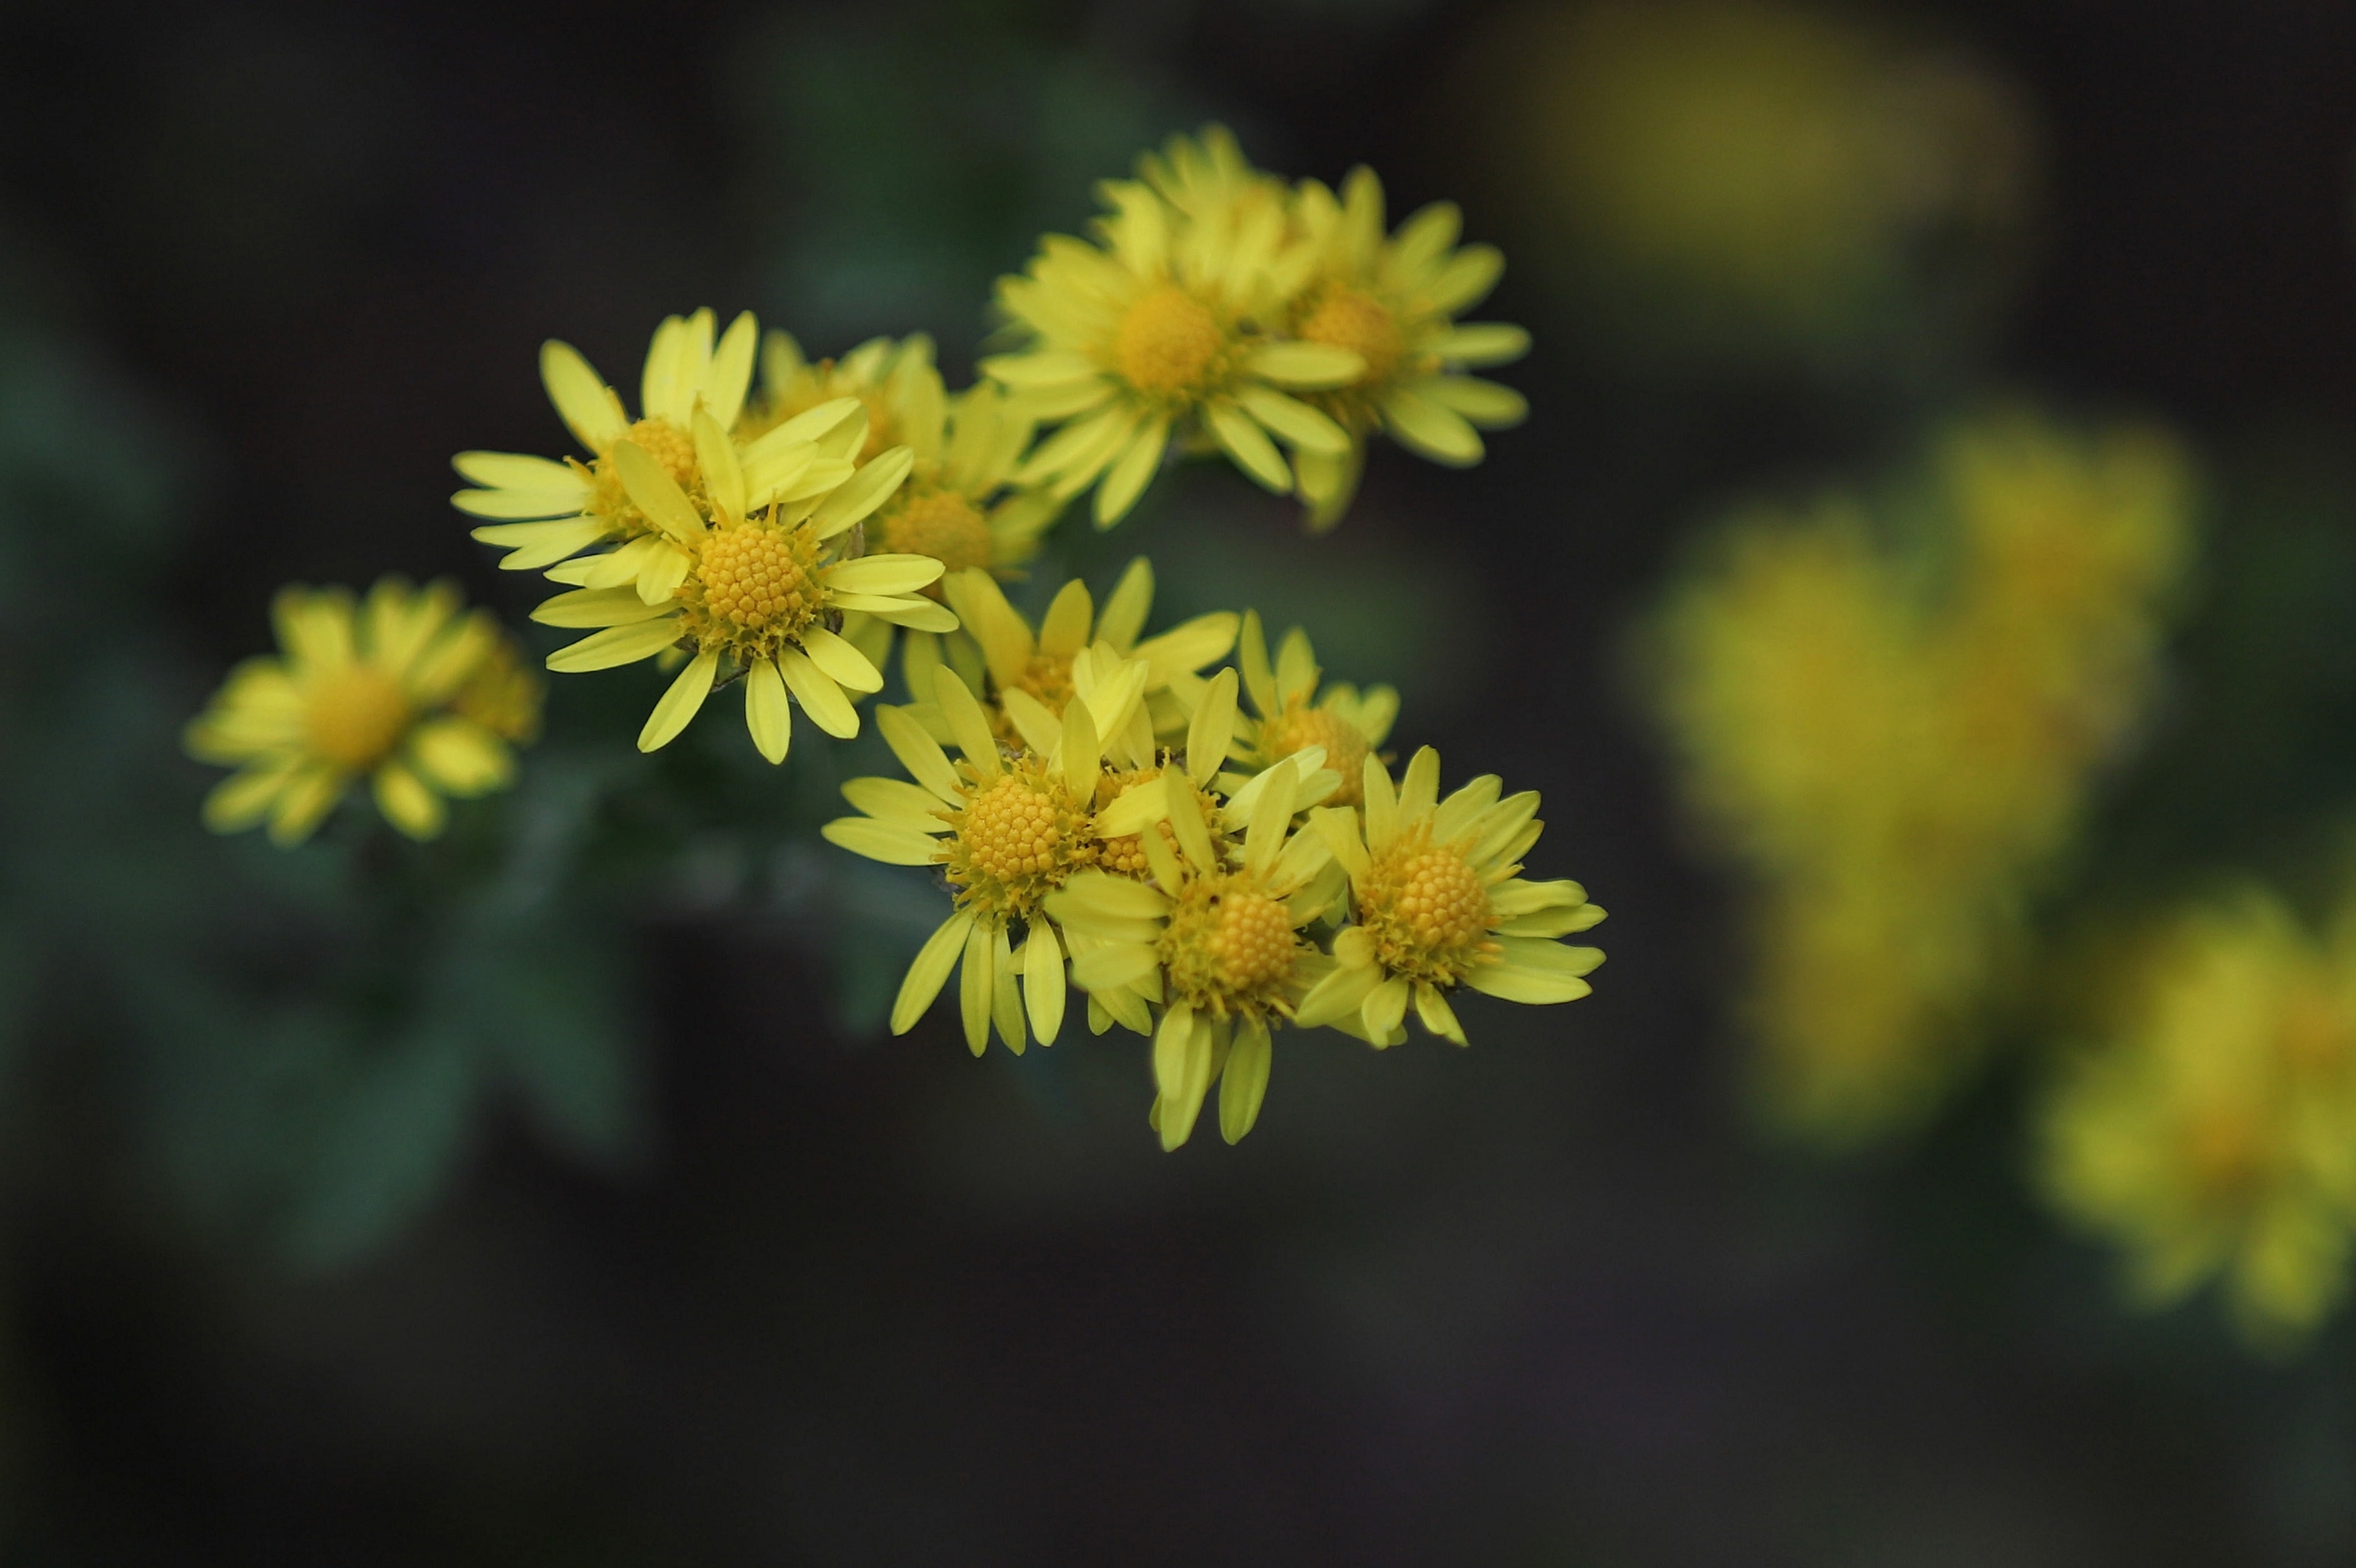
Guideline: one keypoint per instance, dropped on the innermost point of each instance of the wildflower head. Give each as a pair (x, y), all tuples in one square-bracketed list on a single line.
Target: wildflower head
[(1391, 300), (2210, 1138), (1229, 944), (748, 576), (1294, 715), (1033, 675), (402, 689), (1010, 832), (1438, 903), (1164, 331), (544, 511)]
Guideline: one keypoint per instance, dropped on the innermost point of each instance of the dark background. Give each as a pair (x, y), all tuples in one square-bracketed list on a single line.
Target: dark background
[(835, 1298)]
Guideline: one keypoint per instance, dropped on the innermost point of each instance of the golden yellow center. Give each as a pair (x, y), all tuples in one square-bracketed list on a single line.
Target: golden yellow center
[(355, 716), (941, 524), (1347, 318), (1427, 910), (1228, 945), (1011, 831), (1300, 726), (1168, 342), (669, 445), (751, 580), (1125, 855)]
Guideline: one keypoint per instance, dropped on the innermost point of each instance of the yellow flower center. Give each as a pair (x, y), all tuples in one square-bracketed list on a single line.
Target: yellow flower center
[(1230, 945), (1300, 726), (1125, 855), (1017, 839), (1349, 318), (1046, 678), (941, 524), (673, 448), (356, 716), (1168, 342), (669, 445), (753, 589), (1428, 910)]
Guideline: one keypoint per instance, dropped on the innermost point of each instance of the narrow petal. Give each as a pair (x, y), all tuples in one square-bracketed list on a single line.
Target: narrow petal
[(680, 703), (841, 663), (820, 697), (1042, 981), (862, 492), (886, 841), (1314, 366), (1249, 446), (919, 753), (1212, 728), (767, 714), (615, 645), (967, 721), (654, 491), (1244, 1084), (977, 979), (1294, 421), (1424, 427), (930, 971), (406, 802), (884, 574), (588, 410), (1131, 470)]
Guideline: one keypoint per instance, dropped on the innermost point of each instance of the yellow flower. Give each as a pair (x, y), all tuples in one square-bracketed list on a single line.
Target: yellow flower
[(1025, 676), (1161, 333), (1346, 725), (960, 504), (542, 511), (1209, 174), (744, 578), (401, 689), (2215, 1135), (1898, 741), (1438, 903), (1393, 300), (1217, 941), (1008, 832)]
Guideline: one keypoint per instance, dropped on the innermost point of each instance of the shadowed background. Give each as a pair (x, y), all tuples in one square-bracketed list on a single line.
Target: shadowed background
[(644, 1244)]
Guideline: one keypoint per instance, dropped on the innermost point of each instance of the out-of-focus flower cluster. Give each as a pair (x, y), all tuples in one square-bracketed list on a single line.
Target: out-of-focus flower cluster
[(2211, 1134), (1206, 870), (1888, 714)]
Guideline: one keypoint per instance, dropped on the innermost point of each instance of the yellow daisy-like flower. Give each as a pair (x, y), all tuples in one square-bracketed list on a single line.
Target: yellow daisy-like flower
[(745, 580), (1025, 676), (1438, 903), (1346, 725), (1008, 832), (2215, 1137), (540, 510), (1218, 944), (1162, 333), (401, 689), (960, 504), (1393, 301), (1209, 174)]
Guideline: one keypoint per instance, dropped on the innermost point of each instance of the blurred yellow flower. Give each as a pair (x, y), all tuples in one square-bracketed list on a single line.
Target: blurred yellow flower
[(1896, 743), (2213, 1135), (1161, 333), (401, 689)]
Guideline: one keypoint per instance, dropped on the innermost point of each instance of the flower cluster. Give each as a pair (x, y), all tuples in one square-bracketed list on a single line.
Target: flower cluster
[(2214, 1133), (1209, 853), (1897, 743), (1205, 893), (1220, 308), (401, 688)]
